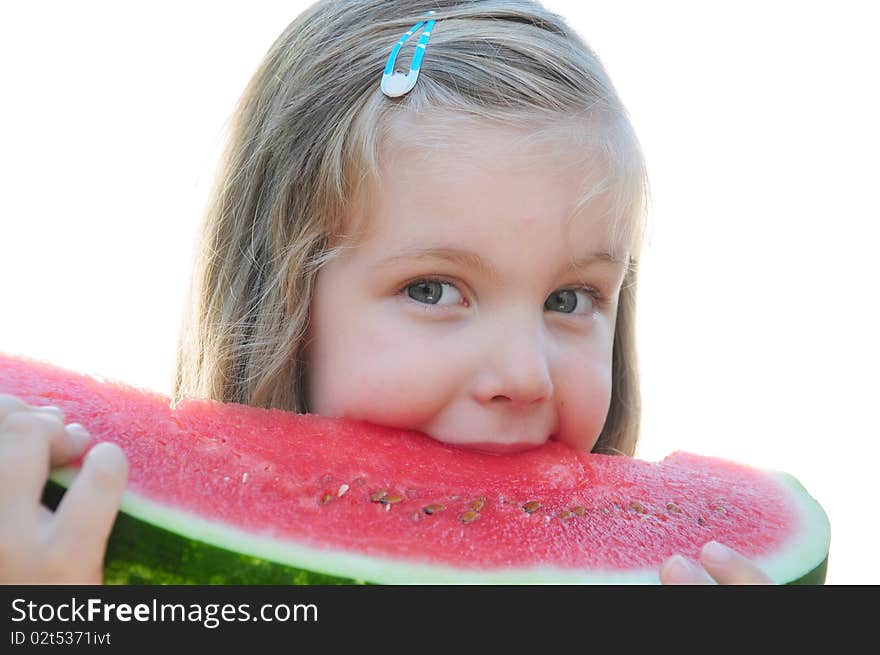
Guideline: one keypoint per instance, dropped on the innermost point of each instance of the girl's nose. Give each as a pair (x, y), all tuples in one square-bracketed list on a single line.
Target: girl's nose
[(515, 369)]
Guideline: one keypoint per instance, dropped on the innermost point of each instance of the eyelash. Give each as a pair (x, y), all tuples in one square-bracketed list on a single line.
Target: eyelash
[(600, 302)]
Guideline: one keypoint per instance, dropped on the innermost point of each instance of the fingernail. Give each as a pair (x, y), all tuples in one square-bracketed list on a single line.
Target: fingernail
[(716, 553), (79, 434), (108, 457), (49, 408), (679, 568)]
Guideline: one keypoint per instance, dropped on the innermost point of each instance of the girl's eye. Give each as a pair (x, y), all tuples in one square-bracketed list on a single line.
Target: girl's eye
[(568, 301), (431, 291)]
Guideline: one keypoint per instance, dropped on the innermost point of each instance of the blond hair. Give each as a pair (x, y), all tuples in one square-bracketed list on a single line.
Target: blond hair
[(304, 146)]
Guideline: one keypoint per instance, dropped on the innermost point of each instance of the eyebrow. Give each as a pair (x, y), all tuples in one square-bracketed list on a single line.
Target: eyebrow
[(473, 261)]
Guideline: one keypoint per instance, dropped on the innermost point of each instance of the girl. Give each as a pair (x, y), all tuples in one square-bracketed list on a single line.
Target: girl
[(452, 250)]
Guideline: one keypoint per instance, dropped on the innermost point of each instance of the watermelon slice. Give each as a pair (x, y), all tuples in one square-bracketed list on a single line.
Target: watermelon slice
[(232, 494)]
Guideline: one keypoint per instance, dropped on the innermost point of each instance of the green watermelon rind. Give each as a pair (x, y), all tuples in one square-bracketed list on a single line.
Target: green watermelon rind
[(153, 543)]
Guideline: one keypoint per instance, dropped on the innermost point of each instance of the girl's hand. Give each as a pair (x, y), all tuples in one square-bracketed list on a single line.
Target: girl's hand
[(720, 565), (38, 546)]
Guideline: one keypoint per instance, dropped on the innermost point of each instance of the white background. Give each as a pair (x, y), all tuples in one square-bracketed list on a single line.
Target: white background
[(758, 318)]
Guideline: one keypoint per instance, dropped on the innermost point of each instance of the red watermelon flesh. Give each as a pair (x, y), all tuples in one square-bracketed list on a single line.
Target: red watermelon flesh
[(362, 501)]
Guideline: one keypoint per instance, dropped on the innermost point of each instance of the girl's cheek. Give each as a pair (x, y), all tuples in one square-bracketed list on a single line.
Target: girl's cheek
[(585, 396), (394, 380)]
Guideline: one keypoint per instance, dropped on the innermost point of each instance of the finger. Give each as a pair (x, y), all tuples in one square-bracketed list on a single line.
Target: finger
[(29, 441), (62, 450), (65, 442), (9, 404), (729, 567), (678, 570), (88, 509)]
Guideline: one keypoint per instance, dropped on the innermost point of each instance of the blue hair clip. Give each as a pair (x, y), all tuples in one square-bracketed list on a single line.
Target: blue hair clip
[(397, 84)]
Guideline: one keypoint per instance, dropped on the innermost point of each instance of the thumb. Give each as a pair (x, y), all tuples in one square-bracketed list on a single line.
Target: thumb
[(729, 567)]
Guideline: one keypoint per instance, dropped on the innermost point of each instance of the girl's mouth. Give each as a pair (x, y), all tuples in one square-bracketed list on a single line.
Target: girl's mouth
[(493, 448)]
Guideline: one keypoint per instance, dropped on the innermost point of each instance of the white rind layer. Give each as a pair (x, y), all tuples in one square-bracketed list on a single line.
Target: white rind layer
[(812, 541), (793, 560)]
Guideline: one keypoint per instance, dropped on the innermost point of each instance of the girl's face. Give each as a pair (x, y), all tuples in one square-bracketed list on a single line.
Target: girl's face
[(458, 312)]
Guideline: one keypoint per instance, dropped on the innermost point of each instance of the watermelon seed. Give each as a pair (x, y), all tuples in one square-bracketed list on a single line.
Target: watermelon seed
[(701, 521), (389, 500), (478, 504), (579, 510), (244, 477), (565, 515), (327, 498), (432, 508), (672, 507), (469, 516), (342, 489), (377, 496), (531, 506), (637, 506)]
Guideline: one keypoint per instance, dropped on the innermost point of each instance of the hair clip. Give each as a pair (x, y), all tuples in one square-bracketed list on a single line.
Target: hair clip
[(397, 84)]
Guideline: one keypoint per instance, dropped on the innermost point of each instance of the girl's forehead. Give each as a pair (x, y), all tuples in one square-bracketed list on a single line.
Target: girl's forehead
[(483, 185), (460, 175), (449, 140)]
